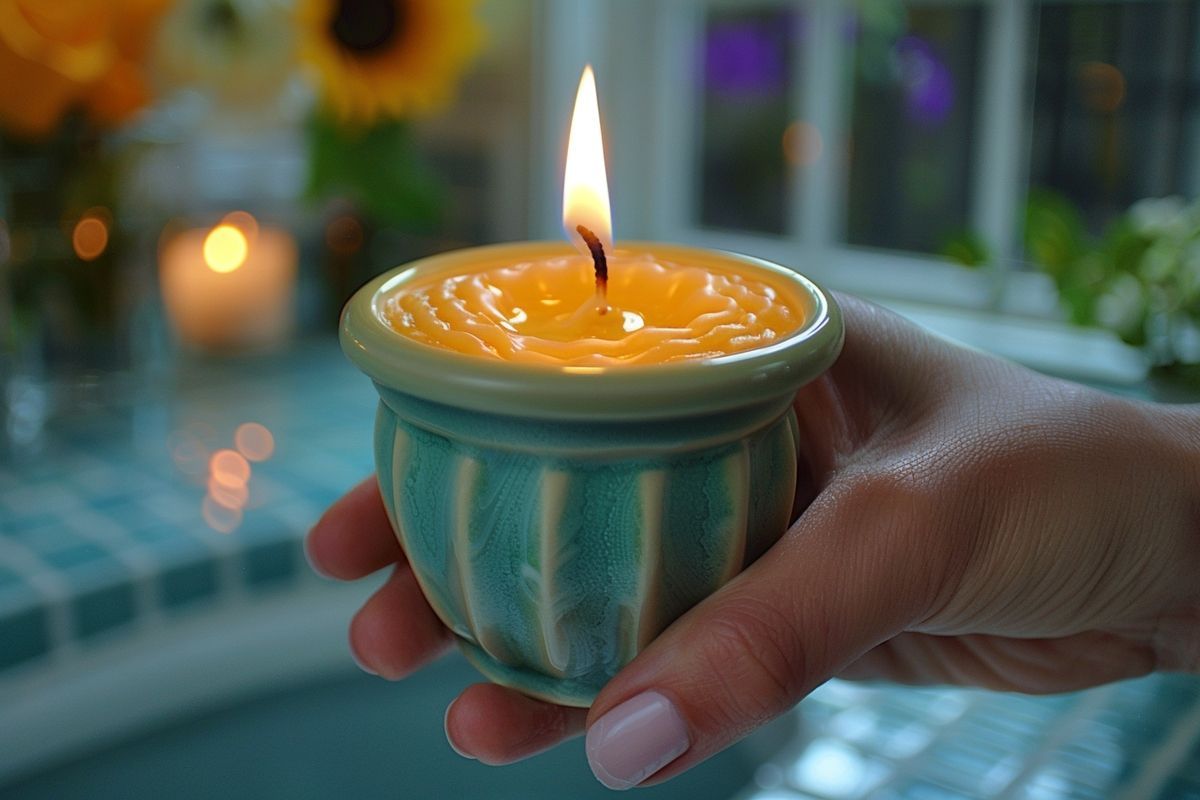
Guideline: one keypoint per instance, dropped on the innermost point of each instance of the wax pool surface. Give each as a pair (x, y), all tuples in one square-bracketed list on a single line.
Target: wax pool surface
[(546, 312)]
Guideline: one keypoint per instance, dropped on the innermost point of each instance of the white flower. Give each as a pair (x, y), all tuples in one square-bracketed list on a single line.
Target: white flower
[(240, 52), (1159, 262), (1160, 216), (1121, 306)]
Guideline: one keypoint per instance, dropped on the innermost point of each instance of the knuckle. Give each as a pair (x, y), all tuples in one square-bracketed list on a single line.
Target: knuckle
[(911, 516), (754, 661)]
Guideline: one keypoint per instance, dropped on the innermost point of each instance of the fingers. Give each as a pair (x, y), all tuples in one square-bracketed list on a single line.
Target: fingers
[(498, 725), (846, 577), (354, 537), (396, 632)]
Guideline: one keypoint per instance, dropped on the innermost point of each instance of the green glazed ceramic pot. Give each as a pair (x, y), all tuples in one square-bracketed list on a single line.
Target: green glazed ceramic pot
[(558, 519)]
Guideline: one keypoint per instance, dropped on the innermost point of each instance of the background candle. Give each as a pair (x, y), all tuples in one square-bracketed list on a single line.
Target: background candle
[(230, 287)]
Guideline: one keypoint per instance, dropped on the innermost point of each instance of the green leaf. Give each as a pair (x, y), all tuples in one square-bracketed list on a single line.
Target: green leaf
[(1055, 236), (378, 168), (1123, 246), (968, 249)]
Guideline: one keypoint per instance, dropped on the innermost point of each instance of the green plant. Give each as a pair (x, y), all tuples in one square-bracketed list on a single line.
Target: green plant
[(1140, 278)]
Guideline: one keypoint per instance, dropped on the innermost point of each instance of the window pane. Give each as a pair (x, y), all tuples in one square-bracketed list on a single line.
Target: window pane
[(746, 64), (1113, 97), (912, 127)]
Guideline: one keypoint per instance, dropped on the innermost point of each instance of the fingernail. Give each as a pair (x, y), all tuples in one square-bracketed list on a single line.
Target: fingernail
[(450, 739), (635, 740)]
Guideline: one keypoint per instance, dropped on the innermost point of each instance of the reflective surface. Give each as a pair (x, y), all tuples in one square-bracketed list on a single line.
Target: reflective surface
[(357, 737)]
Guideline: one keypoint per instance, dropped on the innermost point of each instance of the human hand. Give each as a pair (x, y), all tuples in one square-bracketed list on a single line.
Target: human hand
[(960, 520)]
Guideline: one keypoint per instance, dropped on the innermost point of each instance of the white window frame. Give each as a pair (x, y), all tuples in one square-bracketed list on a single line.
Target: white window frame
[(646, 48)]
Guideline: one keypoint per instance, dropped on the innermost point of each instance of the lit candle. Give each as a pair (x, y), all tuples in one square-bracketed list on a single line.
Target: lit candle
[(577, 443), (230, 287), (602, 306)]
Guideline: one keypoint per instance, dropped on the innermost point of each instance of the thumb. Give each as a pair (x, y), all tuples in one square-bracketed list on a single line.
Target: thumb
[(847, 576)]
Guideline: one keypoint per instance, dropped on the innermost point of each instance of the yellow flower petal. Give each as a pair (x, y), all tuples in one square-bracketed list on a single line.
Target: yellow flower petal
[(412, 74), (67, 53)]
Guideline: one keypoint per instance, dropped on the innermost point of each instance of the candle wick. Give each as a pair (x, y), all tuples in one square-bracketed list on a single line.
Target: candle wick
[(600, 263)]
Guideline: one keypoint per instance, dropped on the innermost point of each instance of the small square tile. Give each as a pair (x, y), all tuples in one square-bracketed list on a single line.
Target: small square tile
[(187, 585), (268, 565), (45, 538), (26, 635), (78, 554), (103, 609)]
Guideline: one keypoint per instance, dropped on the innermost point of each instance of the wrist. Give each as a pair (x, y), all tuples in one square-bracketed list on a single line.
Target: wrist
[(1177, 636)]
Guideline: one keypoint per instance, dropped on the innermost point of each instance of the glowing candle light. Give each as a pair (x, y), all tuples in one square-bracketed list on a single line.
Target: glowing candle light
[(230, 287), (640, 304), (561, 423)]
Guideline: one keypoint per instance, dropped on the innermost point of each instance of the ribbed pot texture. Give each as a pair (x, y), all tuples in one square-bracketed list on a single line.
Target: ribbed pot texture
[(557, 550)]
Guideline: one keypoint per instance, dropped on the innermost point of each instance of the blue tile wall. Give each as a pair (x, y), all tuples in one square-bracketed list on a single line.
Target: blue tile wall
[(112, 469)]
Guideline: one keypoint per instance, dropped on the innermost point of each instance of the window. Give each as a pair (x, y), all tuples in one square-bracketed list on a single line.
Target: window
[(912, 127), (746, 65), (857, 139), (1114, 103)]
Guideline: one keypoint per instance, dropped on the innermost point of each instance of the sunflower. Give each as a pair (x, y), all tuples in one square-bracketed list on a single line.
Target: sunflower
[(88, 53), (389, 58)]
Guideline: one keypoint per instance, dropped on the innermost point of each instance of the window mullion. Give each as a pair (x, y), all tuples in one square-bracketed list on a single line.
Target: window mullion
[(1001, 133), (671, 184), (572, 33), (819, 81)]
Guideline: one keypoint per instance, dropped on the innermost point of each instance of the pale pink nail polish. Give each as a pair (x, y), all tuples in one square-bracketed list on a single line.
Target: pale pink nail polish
[(635, 740)]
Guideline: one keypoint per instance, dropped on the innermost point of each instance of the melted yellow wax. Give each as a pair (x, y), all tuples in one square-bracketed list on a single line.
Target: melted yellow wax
[(546, 311)]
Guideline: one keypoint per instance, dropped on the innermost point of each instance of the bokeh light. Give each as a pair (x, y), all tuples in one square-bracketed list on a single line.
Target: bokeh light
[(745, 58), (929, 91), (229, 468), (802, 143), (220, 518), (1102, 85), (89, 238), (254, 441), (225, 248), (188, 452), (344, 235), (244, 221), (230, 496)]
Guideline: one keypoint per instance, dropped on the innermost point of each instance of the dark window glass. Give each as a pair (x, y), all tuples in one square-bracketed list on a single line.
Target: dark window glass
[(745, 67), (1114, 103), (913, 118)]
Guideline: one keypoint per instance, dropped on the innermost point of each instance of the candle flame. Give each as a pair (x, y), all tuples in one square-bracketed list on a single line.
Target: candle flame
[(585, 184), (225, 248)]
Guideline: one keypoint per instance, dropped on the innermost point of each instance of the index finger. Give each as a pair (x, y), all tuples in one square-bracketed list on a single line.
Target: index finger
[(354, 537)]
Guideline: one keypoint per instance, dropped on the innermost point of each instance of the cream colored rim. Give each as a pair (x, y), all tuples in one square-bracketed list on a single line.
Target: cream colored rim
[(602, 393)]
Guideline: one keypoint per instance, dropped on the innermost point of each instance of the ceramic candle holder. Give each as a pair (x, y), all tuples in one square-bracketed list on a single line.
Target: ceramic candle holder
[(559, 518)]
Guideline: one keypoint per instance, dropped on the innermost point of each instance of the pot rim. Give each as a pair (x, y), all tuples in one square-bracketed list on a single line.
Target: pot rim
[(650, 391)]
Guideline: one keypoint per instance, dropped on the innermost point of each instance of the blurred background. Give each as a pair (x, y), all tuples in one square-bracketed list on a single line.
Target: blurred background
[(191, 189)]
